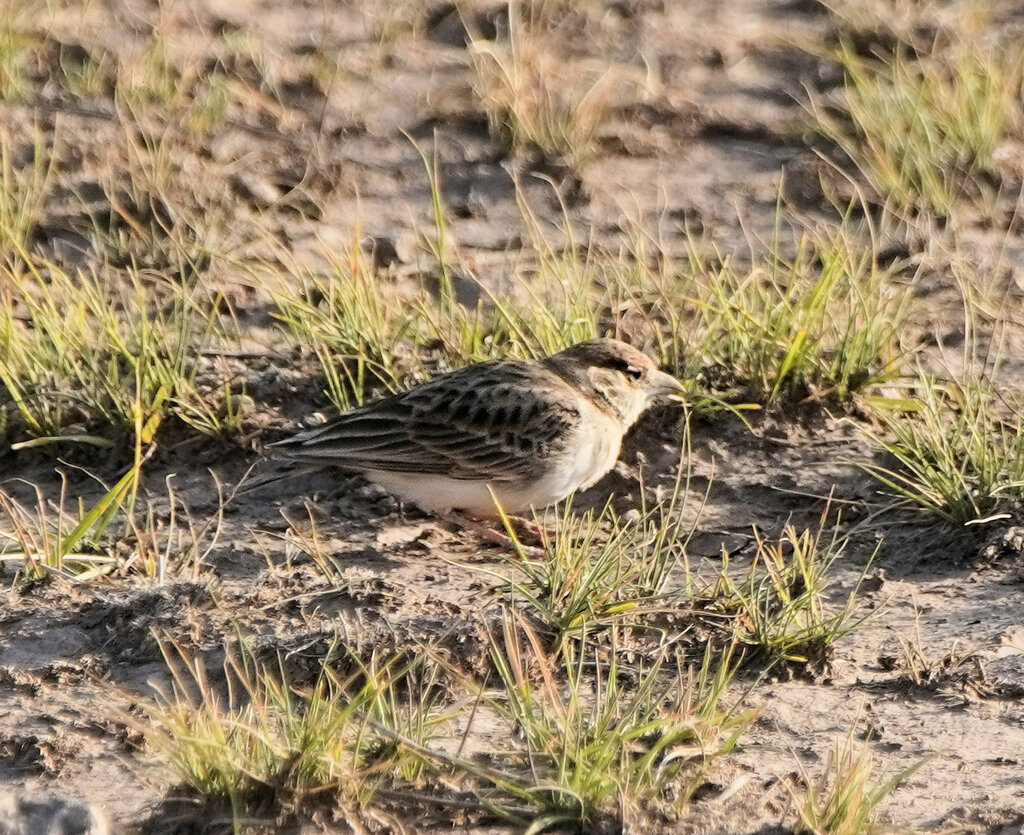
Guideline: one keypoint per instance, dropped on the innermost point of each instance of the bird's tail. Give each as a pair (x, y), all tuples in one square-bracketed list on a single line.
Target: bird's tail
[(249, 485)]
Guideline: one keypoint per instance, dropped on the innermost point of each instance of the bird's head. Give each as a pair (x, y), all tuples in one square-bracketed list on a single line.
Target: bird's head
[(621, 379)]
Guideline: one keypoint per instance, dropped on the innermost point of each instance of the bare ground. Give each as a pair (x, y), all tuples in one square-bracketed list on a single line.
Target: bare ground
[(719, 127)]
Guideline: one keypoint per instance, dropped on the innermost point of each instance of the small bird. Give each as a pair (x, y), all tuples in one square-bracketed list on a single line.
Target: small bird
[(524, 433)]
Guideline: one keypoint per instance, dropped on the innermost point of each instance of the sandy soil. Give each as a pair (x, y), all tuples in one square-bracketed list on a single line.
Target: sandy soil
[(710, 123)]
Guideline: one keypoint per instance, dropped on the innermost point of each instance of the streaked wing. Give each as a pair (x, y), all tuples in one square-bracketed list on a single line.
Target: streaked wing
[(498, 420)]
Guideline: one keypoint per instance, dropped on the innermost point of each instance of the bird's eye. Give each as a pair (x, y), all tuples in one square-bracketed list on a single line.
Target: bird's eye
[(633, 372)]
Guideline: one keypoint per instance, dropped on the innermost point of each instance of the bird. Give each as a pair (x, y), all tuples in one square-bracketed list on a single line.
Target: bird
[(495, 437)]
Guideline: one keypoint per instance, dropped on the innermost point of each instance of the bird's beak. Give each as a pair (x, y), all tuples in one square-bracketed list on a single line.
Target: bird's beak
[(664, 385)]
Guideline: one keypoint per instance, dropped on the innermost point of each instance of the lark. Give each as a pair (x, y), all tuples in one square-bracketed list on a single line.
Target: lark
[(520, 433)]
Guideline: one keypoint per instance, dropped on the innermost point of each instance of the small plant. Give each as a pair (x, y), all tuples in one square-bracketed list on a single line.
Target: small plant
[(111, 538), (596, 568), (148, 83), (88, 349), (959, 668), (85, 73), (779, 609), (552, 306), (15, 46), (825, 324), (45, 540), (263, 734), (538, 100), (924, 131), (209, 103), (356, 330), (553, 303), (959, 450), (597, 749), (304, 539), (148, 77), (22, 191), (153, 220), (844, 801)]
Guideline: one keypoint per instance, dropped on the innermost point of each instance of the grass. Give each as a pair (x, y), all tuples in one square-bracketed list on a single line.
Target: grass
[(780, 608), (366, 340), (148, 77), (538, 102), (924, 131), (46, 540), (86, 73), (596, 568), (845, 801), (259, 733), (118, 536), (153, 220), (88, 362), (148, 85), (16, 45), (23, 190), (826, 324), (959, 452), (596, 749), (601, 738), (552, 303), (111, 355), (603, 721), (961, 666), (356, 331)]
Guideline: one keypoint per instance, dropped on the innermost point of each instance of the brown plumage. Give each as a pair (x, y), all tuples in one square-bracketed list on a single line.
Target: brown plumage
[(530, 431)]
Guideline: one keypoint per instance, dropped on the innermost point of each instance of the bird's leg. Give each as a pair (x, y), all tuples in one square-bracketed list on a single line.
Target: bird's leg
[(494, 536), (532, 531)]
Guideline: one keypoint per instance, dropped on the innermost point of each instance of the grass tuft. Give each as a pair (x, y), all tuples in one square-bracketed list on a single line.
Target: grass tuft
[(23, 187), (596, 749), (959, 451), (780, 609), (355, 329), (46, 540), (825, 324), (89, 350), (16, 45), (259, 733), (110, 539), (924, 131), (845, 801), (538, 102), (598, 569)]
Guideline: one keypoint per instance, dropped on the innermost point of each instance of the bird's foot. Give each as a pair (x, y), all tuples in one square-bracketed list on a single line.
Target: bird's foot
[(521, 529)]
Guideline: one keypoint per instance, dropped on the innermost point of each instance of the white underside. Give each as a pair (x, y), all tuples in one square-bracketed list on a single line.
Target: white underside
[(441, 494)]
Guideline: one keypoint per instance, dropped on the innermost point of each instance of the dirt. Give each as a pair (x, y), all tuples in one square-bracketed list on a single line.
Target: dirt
[(711, 127)]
